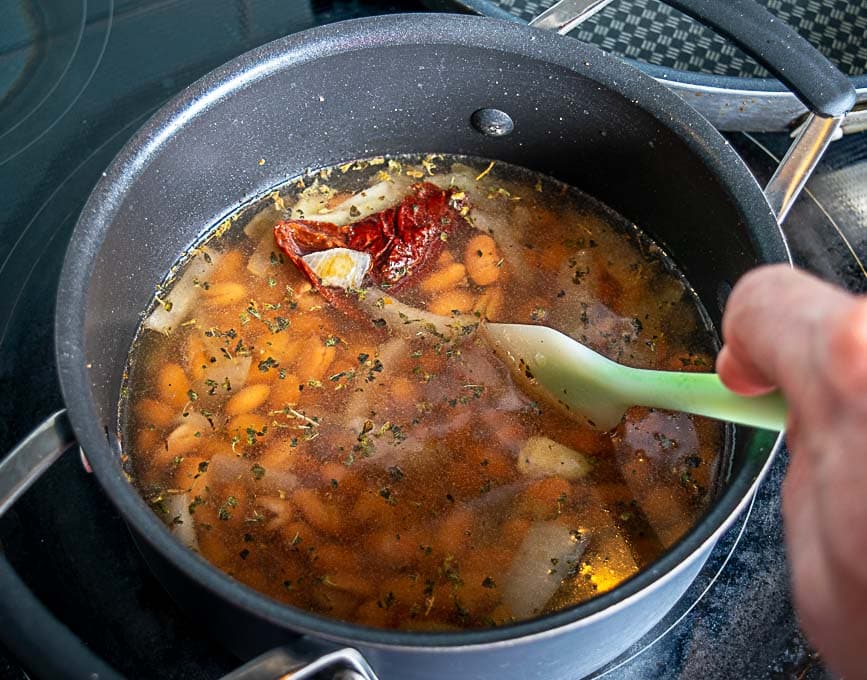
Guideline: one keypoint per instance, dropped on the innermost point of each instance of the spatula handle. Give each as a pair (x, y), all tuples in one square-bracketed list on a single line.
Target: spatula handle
[(704, 394)]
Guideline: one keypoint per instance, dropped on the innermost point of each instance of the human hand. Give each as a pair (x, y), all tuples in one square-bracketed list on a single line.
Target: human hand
[(784, 328)]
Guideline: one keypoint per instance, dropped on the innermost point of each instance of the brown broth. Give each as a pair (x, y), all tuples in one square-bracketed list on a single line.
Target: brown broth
[(382, 478)]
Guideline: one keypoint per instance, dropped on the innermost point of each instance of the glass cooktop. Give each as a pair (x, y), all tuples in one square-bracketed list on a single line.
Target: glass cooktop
[(77, 78)]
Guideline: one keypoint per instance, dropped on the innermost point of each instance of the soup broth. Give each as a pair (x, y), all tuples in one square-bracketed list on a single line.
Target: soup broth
[(343, 453)]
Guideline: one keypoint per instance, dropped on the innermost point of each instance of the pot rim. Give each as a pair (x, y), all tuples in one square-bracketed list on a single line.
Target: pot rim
[(301, 49)]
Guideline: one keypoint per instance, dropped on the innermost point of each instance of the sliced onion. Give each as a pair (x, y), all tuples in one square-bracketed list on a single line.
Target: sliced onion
[(359, 406), (313, 203), (380, 196), (181, 299), (228, 468), (459, 177), (260, 260), (235, 370), (313, 199), (262, 222), (549, 553), (410, 322), (178, 506)]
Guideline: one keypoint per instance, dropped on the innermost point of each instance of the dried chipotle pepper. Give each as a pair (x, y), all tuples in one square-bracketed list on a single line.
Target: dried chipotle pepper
[(402, 241)]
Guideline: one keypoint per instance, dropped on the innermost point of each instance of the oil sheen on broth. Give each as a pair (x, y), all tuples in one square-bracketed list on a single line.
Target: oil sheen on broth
[(342, 456)]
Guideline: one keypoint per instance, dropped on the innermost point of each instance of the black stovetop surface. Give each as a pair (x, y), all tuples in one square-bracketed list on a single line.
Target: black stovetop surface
[(77, 78)]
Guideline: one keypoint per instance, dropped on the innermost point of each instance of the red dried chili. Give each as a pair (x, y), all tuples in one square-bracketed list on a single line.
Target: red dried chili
[(402, 241)]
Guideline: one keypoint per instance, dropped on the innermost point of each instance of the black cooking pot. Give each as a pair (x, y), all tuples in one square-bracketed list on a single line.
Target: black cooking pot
[(403, 84)]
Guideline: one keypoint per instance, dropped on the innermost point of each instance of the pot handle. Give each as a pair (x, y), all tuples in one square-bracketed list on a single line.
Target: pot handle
[(820, 85), (24, 621), (344, 664)]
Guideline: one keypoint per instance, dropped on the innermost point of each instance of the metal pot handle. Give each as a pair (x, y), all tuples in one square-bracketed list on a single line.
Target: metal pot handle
[(27, 462), (820, 85), (346, 664), (21, 611)]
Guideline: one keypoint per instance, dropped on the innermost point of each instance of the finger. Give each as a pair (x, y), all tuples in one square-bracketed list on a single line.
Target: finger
[(740, 375), (772, 322), (847, 354)]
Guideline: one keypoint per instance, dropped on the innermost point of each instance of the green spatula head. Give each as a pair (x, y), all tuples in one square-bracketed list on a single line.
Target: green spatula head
[(598, 390)]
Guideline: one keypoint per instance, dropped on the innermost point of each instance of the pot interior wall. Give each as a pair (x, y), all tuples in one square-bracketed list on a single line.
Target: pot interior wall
[(370, 99)]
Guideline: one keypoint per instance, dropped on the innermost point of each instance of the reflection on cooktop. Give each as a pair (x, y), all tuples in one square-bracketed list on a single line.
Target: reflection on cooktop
[(827, 232), (46, 68), (842, 190), (77, 78)]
